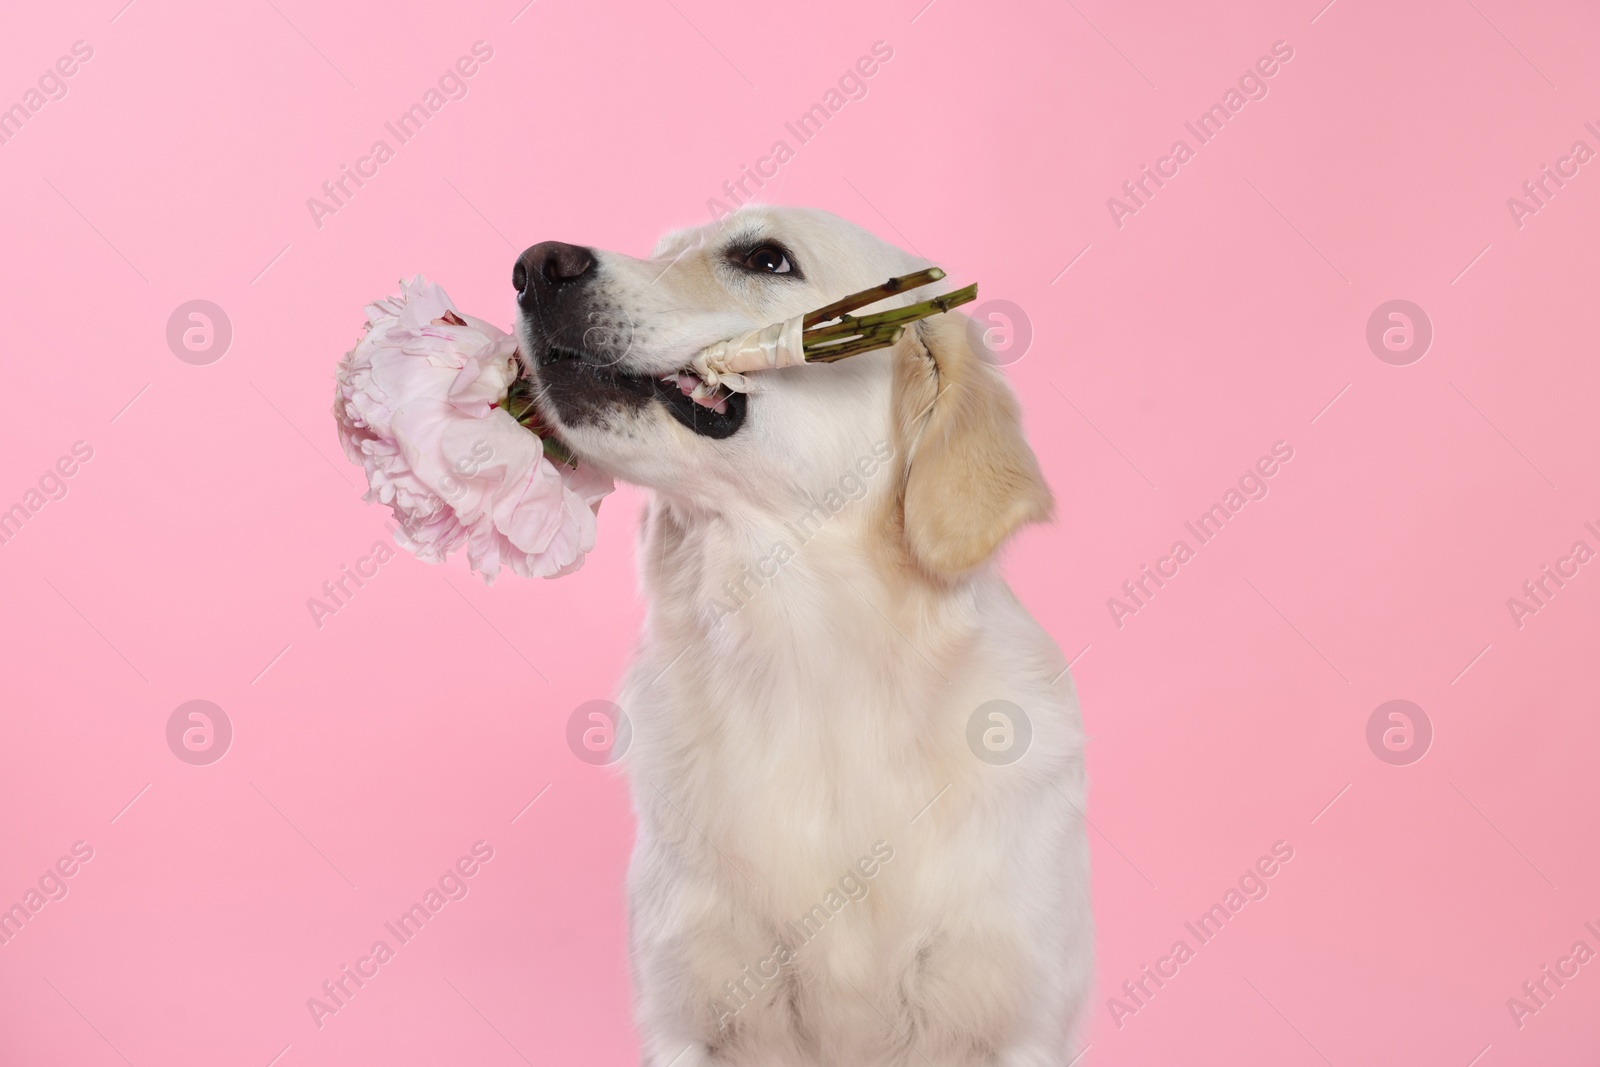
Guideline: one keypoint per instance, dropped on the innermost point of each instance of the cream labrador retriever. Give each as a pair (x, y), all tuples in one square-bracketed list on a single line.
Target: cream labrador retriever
[(841, 858)]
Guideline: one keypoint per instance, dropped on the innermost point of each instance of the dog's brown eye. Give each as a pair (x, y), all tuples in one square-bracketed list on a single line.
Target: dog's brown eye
[(768, 259)]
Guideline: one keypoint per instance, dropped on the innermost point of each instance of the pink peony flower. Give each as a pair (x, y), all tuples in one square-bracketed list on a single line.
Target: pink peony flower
[(417, 404)]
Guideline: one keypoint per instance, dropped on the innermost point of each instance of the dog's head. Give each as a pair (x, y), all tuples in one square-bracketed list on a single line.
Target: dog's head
[(609, 339)]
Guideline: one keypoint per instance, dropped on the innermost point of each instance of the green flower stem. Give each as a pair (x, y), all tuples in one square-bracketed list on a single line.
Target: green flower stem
[(851, 334)]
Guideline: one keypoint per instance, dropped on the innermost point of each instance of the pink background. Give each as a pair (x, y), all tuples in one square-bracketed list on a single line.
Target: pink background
[(1224, 316)]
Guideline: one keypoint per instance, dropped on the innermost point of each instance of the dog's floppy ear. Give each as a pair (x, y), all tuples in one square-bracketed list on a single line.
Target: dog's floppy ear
[(970, 478)]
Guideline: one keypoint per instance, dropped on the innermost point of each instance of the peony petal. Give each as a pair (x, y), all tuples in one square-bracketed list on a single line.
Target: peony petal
[(416, 405)]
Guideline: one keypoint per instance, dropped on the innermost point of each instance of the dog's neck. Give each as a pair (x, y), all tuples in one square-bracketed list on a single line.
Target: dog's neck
[(800, 590)]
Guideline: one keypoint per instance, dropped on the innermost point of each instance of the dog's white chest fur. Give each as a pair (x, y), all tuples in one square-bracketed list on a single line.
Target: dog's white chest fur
[(826, 871)]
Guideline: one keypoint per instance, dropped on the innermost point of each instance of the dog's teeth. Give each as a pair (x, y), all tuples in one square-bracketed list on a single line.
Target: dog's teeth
[(691, 386)]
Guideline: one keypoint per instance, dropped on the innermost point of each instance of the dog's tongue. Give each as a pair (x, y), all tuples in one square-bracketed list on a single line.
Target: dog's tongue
[(690, 385)]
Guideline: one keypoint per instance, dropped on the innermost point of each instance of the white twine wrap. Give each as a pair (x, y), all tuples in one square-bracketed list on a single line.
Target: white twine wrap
[(769, 348)]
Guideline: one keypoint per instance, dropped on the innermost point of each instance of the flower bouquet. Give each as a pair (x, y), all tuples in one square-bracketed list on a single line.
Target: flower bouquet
[(437, 409)]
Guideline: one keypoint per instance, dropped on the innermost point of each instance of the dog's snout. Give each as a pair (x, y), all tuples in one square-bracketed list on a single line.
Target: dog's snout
[(555, 262)]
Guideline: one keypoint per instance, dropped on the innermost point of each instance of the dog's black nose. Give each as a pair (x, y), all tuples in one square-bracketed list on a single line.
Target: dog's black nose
[(557, 262)]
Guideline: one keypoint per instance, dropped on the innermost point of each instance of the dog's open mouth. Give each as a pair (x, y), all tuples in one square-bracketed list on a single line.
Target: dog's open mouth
[(580, 389)]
